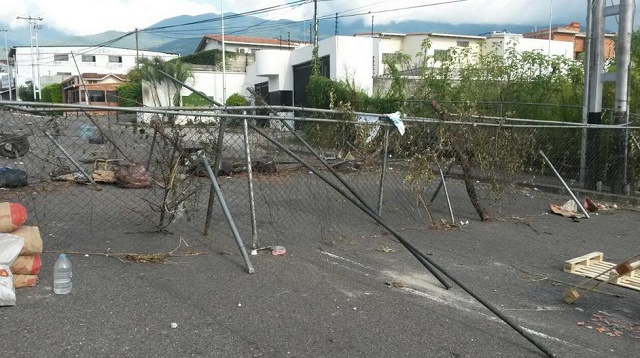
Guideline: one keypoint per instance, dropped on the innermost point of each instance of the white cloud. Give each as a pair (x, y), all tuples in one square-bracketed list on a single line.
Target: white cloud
[(83, 17), (89, 17)]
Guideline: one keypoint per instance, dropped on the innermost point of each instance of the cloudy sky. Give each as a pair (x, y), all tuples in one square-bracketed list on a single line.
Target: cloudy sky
[(84, 17)]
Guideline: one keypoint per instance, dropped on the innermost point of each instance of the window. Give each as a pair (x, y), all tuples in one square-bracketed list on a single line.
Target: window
[(94, 96), (441, 55), (63, 73), (112, 96), (115, 59), (61, 57), (462, 43), (88, 58)]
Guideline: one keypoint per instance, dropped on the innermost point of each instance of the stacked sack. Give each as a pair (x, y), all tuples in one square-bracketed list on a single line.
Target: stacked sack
[(26, 267), (12, 215)]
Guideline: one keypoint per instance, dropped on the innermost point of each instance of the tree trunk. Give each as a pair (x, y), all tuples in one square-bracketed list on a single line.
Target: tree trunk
[(465, 163)]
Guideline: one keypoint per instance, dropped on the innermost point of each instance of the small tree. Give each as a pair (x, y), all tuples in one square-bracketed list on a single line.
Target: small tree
[(236, 100), (52, 93)]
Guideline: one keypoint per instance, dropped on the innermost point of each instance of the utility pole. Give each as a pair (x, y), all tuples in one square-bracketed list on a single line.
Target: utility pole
[(137, 52), (224, 61), (595, 165), (373, 52), (620, 180), (336, 31), (617, 177), (585, 92), (315, 24), (315, 56), (33, 32), (550, 17), (6, 49)]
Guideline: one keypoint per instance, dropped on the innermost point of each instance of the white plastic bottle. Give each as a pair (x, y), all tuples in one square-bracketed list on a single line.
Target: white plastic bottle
[(62, 275)]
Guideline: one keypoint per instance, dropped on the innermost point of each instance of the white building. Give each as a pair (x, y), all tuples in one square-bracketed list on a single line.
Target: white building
[(501, 43), (54, 64), (245, 44), (281, 75)]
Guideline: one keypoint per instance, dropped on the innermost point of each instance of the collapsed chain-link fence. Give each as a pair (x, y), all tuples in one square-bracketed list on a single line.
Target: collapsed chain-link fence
[(74, 153)]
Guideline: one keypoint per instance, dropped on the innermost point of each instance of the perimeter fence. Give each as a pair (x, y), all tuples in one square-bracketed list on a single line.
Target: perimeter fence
[(271, 176)]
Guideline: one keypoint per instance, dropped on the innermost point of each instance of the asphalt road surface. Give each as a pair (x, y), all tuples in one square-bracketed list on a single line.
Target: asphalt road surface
[(352, 292)]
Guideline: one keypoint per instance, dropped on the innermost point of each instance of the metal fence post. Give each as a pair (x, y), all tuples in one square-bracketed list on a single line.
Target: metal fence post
[(252, 203)]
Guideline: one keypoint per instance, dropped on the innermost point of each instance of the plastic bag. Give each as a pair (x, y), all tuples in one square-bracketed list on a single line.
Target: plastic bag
[(12, 178), (132, 176), (10, 246)]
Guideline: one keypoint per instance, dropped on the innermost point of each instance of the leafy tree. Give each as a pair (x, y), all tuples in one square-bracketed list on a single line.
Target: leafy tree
[(130, 92), (151, 71), (25, 93)]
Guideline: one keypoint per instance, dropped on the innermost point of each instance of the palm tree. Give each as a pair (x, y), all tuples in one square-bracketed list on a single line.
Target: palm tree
[(151, 72)]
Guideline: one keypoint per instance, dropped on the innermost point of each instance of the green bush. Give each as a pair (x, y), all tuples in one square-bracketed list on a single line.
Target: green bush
[(52, 93), (236, 100), (130, 94), (25, 93)]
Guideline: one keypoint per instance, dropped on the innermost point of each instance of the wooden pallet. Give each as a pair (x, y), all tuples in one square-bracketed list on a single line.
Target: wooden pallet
[(593, 265)]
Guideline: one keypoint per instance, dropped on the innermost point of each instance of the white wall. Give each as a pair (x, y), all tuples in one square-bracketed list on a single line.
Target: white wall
[(352, 60), (545, 47), (211, 84)]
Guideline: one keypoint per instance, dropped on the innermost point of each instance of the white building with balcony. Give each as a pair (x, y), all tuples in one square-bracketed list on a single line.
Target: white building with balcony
[(53, 64)]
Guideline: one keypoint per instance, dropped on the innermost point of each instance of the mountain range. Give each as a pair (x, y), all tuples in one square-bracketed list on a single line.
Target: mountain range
[(182, 34)]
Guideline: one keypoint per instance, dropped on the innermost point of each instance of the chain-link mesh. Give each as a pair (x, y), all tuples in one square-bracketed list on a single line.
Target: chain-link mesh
[(393, 174)]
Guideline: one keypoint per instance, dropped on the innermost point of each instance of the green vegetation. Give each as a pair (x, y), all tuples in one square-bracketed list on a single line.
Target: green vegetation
[(236, 99), (25, 93), (458, 87), (52, 93), (209, 57)]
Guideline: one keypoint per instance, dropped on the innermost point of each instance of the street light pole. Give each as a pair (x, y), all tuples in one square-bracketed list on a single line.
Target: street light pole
[(6, 49), (32, 28)]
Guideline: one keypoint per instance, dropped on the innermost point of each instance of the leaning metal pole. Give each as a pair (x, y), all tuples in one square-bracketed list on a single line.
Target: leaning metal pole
[(406, 243), (384, 169), (446, 193), (216, 169), (565, 184), (73, 161), (227, 214)]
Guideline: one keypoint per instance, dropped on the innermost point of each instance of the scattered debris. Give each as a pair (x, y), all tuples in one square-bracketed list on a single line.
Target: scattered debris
[(444, 225), (605, 324), (385, 249), (156, 258), (394, 284), (278, 250), (568, 210)]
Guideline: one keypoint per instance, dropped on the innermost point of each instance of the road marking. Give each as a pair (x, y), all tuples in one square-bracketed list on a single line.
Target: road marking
[(347, 260), (491, 318), (457, 305)]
